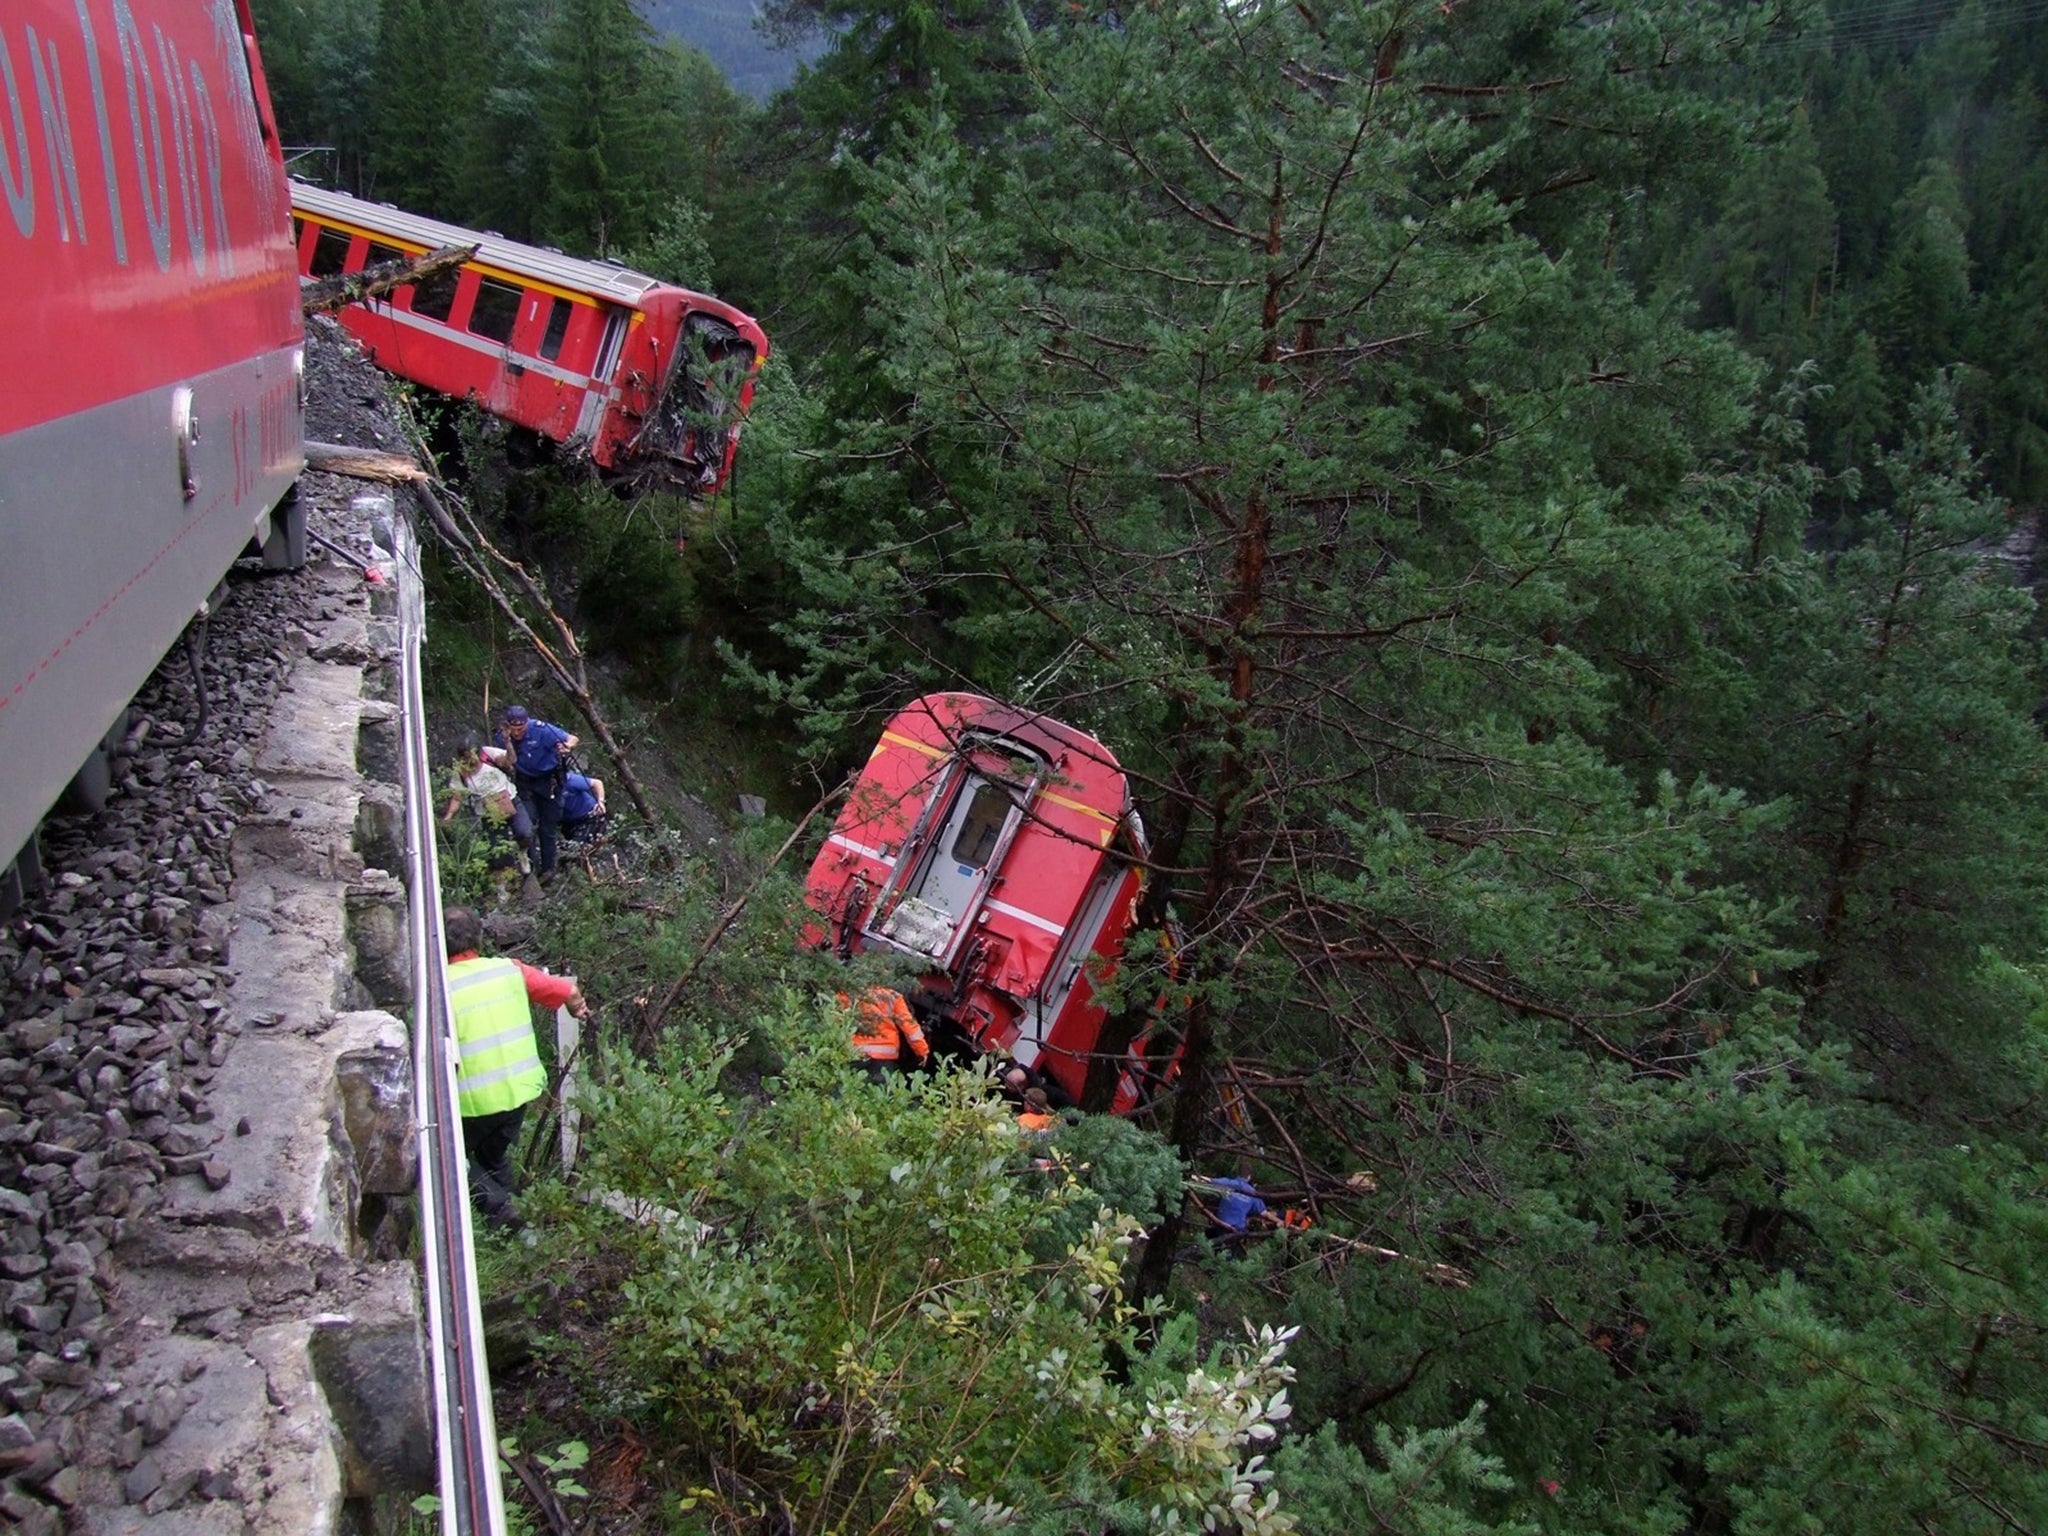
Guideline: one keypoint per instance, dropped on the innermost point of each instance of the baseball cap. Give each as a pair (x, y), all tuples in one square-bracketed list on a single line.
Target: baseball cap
[(515, 714)]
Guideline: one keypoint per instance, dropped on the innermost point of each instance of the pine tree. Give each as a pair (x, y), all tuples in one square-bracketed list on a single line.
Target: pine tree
[(1899, 692), (426, 96), (1246, 423), (602, 170)]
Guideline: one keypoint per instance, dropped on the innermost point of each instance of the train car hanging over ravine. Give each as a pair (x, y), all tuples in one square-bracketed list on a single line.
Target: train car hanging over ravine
[(648, 379)]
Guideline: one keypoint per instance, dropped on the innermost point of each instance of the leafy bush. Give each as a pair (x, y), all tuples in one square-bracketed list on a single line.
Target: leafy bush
[(826, 1296)]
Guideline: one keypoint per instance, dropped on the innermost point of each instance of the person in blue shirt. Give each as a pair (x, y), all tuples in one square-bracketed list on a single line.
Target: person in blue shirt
[(1239, 1211), (538, 772), (582, 802)]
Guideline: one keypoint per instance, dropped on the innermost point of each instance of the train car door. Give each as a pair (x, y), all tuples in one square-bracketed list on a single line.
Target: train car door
[(941, 888), (608, 349), (965, 845), (1042, 1012)]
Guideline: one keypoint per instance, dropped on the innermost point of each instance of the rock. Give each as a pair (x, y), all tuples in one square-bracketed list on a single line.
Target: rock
[(33, 1318), (64, 1485), (37, 1519), (62, 1373), (217, 1174), (220, 1485), (15, 1433), (143, 1479), (170, 1493), (15, 1505), (31, 1035), (183, 1140), (27, 1457), (152, 1093)]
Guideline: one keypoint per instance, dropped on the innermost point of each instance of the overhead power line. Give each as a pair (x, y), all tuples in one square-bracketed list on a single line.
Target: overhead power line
[(1908, 22)]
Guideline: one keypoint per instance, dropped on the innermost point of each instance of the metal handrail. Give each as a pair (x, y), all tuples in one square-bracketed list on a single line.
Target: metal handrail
[(466, 1436)]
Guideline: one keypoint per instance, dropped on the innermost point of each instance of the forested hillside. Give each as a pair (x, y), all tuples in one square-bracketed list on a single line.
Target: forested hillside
[(1528, 491)]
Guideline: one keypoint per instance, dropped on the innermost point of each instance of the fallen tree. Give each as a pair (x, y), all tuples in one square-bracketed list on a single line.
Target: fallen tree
[(331, 293)]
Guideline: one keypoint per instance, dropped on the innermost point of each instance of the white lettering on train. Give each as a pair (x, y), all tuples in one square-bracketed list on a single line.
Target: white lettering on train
[(240, 104), (156, 209), (106, 127), (17, 176), (55, 106), (209, 142), (171, 85), (181, 143)]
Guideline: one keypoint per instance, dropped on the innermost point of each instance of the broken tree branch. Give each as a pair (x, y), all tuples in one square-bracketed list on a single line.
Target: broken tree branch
[(364, 464), (469, 553), (344, 288), (652, 1018)]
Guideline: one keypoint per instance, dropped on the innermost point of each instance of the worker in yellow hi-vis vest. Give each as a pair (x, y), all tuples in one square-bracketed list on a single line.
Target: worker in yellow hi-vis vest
[(499, 1071)]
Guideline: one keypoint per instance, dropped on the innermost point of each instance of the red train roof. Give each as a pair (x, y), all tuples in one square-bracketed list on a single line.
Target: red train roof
[(1084, 770)]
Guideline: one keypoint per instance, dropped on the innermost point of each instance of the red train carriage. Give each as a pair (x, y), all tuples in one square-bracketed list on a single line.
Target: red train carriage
[(1002, 847), (639, 374), (150, 399)]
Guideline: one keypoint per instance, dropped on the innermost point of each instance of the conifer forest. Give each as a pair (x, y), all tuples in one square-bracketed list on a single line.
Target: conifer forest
[(1544, 499)]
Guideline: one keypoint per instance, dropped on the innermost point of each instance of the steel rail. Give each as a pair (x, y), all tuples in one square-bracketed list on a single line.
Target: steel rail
[(466, 1436)]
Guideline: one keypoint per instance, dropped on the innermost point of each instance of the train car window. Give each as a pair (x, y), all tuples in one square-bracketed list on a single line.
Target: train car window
[(298, 228), (558, 327), (330, 252), (435, 298), (380, 252), (983, 825), (495, 311)]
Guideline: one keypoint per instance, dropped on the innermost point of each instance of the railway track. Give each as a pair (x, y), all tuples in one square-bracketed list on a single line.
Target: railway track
[(195, 1269)]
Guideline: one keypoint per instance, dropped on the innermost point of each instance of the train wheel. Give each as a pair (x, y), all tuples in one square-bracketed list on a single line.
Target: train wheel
[(285, 549), (89, 787)]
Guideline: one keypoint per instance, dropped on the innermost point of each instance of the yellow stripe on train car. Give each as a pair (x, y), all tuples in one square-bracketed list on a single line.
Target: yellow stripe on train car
[(413, 248)]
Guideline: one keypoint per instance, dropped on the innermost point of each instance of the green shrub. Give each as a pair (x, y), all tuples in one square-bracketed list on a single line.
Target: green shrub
[(828, 1293)]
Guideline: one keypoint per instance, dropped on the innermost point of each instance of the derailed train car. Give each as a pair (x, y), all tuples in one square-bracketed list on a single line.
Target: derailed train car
[(151, 399), (1002, 848), (646, 378)]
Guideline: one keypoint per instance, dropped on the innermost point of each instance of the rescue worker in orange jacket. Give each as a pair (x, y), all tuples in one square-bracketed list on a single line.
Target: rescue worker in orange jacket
[(882, 1026), (1037, 1118)]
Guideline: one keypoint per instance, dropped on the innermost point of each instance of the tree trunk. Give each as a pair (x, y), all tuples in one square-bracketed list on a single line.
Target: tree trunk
[(345, 288)]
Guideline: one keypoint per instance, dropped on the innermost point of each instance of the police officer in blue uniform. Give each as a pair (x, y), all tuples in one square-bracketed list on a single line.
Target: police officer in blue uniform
[(538, 771)]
